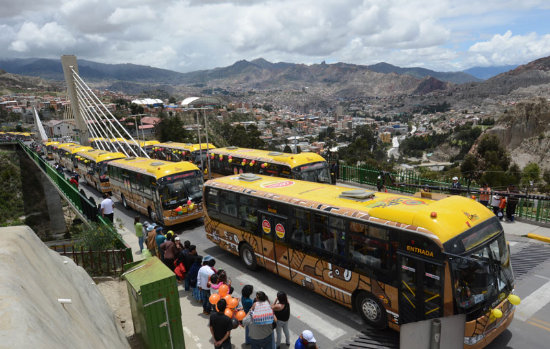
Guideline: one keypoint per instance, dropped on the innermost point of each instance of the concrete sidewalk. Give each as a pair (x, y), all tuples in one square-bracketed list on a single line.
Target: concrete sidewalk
[(525, 228)]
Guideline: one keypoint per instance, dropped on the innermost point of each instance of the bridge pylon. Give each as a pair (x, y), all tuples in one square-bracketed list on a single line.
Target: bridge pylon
[(69, 65)]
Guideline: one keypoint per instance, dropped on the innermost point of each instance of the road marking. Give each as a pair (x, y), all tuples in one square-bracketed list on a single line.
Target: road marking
[(316, 322), (540, 321), (533, 303), (195, 338), (538, 325), (542, 277), (512, 243)]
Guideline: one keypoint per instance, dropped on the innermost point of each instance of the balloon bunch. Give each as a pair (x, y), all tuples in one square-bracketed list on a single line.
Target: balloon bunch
[(264, 165), (231, 302), (230, 159), (252, 163)]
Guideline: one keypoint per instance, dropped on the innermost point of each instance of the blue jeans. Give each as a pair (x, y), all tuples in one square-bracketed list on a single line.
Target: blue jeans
[(206, 307), (140, 242), (264, 343)]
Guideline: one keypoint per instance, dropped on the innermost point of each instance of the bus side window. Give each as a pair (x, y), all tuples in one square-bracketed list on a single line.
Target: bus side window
[(320, 231), (301, 232), (369, 246), (247, 213)]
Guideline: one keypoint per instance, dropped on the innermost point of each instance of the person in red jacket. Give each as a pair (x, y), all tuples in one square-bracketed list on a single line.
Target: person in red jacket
[(74, 182)]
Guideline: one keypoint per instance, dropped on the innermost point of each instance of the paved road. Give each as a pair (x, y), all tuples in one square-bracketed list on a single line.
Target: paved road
[(333, 324)]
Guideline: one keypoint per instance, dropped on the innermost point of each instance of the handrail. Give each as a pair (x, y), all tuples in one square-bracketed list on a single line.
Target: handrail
[(83, 206)]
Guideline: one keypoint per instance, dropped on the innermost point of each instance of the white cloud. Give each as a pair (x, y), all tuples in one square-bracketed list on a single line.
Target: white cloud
[(201, 34), (131, 15), (510, 49), (49, 35)]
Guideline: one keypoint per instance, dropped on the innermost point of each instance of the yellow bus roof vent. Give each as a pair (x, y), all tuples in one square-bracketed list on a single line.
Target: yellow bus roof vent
[(249, 177), (232, 147), (130, 158), (357, 194), (157, 163)]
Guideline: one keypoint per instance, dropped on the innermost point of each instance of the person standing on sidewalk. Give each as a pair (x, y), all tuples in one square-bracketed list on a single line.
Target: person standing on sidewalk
[(107, 207), (281, 308), (220, 326), (203, 282), (260, 320), (484, 194), (138, 227), (511, 203)]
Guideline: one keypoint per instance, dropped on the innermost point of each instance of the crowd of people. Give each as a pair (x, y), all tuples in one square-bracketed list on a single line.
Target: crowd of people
[(265, 323)]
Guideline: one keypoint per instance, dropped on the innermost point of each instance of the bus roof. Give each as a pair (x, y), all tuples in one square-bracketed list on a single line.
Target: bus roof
[(147, 143), (187, 146), (96, 139), (154, 167), (98, 155), (73, 148), (292, 160), (454, 214), (51, 143)]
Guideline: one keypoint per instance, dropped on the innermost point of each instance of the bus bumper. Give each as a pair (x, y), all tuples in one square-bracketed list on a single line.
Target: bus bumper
[(173, 220), (492, 330)]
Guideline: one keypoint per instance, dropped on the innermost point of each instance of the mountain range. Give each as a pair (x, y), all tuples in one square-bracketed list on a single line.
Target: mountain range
[(51, 69)]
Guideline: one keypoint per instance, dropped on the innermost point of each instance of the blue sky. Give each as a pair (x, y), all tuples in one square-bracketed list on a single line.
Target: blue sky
[(188, 35)]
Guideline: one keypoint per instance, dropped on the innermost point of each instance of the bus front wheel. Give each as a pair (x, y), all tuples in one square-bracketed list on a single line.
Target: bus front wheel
[(248, 256), (372, 310)]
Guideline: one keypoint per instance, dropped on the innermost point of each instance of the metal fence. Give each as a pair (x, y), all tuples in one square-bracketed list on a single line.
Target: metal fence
[(86, 208), (96, 263), (530, 207)]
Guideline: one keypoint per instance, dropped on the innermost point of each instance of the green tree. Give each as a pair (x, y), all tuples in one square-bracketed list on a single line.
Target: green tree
[(530, 173), (287, 149), (470, 167), (172, 100), (171, 128), (244, 137)]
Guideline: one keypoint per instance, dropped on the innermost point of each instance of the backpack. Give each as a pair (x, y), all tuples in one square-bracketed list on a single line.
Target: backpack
[(262, 314)]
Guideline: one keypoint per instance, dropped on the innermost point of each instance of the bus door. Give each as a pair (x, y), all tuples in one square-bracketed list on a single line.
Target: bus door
[(420, 289), (275, 254)]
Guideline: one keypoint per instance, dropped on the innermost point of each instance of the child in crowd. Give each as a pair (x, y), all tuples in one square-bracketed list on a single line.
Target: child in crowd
[(246, 303)]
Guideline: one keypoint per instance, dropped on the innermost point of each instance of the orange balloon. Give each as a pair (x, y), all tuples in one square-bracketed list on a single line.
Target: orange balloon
[(233, 303), (240, 315), (228, 312), (223, 290), (214, 298), (227, 298)]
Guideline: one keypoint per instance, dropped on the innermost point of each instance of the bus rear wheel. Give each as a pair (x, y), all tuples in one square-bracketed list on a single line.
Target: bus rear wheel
[(248, 256), (371, 310)]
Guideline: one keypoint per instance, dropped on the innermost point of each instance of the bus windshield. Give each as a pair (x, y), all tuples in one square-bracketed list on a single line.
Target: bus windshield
[(315, 172), (483, 273), (178, 188)]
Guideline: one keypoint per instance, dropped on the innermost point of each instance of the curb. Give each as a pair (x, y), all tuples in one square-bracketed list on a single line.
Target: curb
[(539, 237)]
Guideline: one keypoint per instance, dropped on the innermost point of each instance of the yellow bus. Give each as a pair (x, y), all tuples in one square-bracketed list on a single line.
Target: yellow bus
[(168, 192), (174, 151), (91, 164), (48, 149), (57, 150), (304, 166), (393, 258), (145, 145), (66, 154), (94, 142)]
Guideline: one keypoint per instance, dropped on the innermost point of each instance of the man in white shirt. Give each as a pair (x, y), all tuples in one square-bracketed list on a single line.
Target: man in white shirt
[(203, 282), (107, 207)]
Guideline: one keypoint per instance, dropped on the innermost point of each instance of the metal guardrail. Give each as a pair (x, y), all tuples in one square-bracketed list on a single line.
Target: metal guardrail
[(83, 205), (530, 207)]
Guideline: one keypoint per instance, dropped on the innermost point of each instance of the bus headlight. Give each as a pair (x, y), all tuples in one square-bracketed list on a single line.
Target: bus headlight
[(473, 340)]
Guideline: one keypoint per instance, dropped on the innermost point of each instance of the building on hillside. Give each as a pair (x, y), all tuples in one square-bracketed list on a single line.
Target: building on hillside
[(59, 128)]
